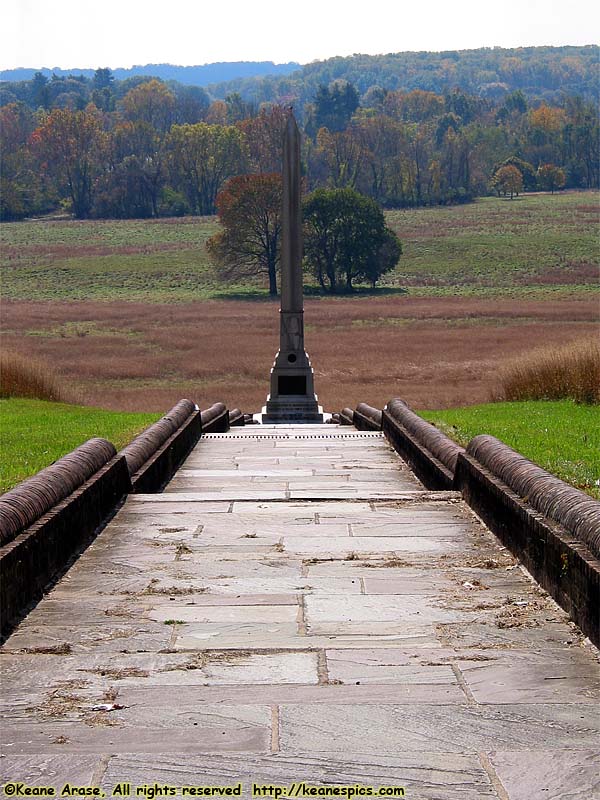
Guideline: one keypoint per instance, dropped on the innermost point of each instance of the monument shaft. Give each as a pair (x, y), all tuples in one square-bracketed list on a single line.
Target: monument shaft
[(292, 397), (291, 222)]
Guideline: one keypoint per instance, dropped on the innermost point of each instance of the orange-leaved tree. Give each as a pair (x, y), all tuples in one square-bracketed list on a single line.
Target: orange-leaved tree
[(71, 145), (249, 209), (508, 180)]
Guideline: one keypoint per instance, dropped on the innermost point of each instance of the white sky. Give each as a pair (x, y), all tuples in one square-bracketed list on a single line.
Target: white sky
[(120, 33)]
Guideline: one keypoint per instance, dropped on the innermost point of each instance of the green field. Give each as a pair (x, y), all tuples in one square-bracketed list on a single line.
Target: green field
[(533, 245), (560, 436), (34, 433), (532, 241)]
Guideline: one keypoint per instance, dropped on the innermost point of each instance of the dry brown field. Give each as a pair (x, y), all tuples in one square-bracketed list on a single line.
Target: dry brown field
[(435, 352)]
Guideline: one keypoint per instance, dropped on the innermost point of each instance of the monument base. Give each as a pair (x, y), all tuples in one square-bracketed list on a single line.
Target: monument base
[(292, 397), (292, 409)]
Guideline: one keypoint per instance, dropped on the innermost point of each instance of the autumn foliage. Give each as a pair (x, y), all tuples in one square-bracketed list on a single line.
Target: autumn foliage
[(145, 148), (508, 180), (70, 145), (249, 209)]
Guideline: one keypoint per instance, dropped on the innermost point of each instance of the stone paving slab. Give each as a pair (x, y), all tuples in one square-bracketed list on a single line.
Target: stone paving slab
[(444, 729), (44, 769), (215, 668), (298, 545), (531, 680), (302, 608), (573, 774), (192, 695), (463, 778)]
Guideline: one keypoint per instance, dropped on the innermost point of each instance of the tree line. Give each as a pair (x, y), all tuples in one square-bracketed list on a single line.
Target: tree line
[(151, 151)]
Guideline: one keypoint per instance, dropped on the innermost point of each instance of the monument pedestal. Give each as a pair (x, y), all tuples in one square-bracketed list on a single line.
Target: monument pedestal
[(292, 397), (292, 409)]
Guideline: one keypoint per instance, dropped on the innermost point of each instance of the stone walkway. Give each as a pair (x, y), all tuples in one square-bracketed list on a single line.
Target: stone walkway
[(296, 606)]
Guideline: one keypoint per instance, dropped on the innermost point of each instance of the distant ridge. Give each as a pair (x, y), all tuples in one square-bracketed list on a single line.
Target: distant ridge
[(542, 74), (201, 75), (545, 72)]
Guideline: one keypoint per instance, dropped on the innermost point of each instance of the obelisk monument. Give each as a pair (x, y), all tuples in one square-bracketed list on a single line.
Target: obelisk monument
[(292, 397)]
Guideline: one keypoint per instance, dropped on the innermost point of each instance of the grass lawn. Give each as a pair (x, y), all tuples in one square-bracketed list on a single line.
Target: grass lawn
[(560, 436), (538, 244), (34, 433)]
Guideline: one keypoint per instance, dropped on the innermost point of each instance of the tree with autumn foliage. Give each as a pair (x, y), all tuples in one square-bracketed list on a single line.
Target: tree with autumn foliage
[(508, 180), (264, 137), (249, 209), (161, 148), (152, 103), (526, 169), (341, 156), (19, 184), (71, 145), (202, 157), (550, 177), (132, 185)]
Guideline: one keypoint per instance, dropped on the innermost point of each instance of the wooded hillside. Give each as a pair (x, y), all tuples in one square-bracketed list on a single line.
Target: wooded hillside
[(142, 147), (544, 73)]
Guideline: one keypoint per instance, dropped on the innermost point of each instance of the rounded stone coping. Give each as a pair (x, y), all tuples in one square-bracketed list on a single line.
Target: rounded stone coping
[(439, 445), (576, 511), (372, 414), (149, 441), (212, 412), (26, 503)]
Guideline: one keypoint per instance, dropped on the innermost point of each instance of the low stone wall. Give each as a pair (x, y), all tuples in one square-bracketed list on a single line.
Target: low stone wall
[(430, 453), (160, 467), (31, 499), (51, 517), (367, 418), (236, 418), (576, 511), (144, 446), (154, 456), (215, 419), (552, 528), (346, 416)]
